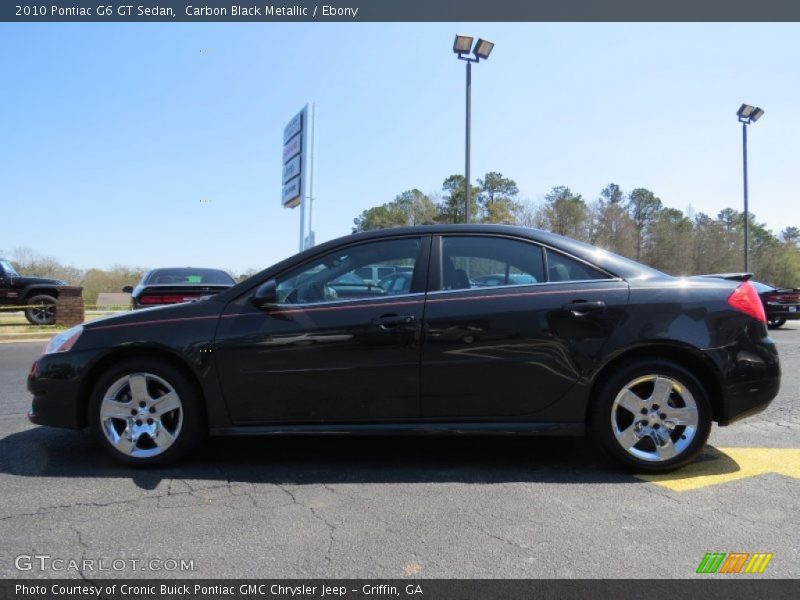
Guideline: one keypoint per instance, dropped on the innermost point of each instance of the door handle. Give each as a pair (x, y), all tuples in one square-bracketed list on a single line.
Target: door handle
[(389, 321), (580, 308)]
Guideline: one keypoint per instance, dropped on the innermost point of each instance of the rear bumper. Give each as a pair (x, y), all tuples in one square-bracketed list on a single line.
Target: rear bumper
[(750, 378), (747, 399), (781, 313)]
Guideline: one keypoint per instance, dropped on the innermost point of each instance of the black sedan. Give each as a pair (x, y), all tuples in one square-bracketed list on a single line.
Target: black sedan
[(641, 361), (176, 285)]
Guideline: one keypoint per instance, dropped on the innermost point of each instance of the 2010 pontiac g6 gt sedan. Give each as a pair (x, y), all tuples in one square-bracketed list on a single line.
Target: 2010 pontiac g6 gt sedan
[(563, 338)]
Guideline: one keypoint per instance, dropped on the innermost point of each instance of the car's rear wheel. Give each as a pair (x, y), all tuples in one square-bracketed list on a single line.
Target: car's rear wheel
[(145, 412), (651, 416), (775, 323), (42, 310)]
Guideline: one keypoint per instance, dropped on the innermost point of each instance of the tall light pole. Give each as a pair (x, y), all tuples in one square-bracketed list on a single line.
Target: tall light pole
[(483, 48), (747, 114)]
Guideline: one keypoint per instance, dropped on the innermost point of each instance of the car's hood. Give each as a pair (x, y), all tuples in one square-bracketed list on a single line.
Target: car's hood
[(167, 313), (23, 280)]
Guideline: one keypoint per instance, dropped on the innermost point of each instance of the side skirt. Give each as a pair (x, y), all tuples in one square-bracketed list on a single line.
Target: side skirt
[(565, 429)]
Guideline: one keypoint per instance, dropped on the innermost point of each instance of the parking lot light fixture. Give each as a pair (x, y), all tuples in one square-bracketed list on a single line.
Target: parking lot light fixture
[(747, 114), (483, 48), (744, 111), (462, 44)]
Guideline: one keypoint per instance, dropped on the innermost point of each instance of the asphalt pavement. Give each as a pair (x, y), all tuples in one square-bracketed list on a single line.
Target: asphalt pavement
[(337, 507)]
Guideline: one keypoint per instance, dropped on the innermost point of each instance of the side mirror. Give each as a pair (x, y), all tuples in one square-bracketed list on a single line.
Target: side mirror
[(128, 289), (266, 295)]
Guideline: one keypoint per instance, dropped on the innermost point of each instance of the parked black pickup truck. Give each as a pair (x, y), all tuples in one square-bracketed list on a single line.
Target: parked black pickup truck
[(38, 294)]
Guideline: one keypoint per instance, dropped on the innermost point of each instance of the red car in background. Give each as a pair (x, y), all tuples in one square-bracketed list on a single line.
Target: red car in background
[(175, 285), (780, 304)]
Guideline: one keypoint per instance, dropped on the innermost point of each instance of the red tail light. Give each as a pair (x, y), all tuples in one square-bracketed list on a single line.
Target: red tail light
[(745, 298), (784, 298), (167, 299)]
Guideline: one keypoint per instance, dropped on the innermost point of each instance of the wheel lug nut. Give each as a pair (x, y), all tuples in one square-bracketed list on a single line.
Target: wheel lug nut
[(663, 415), (152, 409), (138, 421), (655, 406), (656, 426), (142, 404), (133, 411), (643, 411), (149, 421)]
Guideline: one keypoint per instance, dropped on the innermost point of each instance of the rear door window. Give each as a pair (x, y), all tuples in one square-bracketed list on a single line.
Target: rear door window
[(489, 261), (563, 268)]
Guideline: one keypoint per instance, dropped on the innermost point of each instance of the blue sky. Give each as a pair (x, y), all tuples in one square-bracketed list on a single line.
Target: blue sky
[(112, 134)]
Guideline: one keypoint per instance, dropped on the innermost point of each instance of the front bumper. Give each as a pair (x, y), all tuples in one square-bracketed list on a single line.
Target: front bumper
[(55, 380)]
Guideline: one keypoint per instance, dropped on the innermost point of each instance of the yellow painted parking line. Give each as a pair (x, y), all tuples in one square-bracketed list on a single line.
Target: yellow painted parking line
[(721, 465)]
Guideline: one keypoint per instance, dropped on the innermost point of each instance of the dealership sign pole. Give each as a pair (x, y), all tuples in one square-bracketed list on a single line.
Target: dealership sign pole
[(296, 180)]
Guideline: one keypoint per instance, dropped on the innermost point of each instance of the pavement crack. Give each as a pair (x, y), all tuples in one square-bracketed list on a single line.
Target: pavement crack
[(331, 531), (314, 513), (84, 547), (45, 510)]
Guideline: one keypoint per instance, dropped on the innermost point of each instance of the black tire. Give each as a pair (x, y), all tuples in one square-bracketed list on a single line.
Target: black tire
[(775, 323), (188, 421), (602, 427), (45, 314)]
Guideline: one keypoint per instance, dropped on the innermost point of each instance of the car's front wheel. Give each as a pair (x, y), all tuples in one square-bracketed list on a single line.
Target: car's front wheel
[(651, 415), (145, 412)]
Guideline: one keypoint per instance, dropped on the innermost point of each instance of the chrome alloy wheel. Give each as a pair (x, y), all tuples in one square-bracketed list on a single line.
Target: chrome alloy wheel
[(141, 415), (654, 418)]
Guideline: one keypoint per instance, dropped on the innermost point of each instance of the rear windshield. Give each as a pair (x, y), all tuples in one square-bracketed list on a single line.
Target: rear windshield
[(179, 276), (761, 287), (614, 263)]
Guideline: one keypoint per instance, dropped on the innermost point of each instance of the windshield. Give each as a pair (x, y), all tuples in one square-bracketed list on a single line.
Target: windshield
[(8, 268), (189, 275)]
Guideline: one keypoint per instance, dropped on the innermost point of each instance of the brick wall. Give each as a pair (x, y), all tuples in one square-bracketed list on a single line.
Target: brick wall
[(69, 309)]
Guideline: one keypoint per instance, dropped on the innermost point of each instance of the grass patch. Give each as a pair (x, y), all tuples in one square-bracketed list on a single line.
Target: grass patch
[(15, 322)]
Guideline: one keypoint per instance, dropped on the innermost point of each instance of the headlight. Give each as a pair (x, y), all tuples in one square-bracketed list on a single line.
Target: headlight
[(64, 340)]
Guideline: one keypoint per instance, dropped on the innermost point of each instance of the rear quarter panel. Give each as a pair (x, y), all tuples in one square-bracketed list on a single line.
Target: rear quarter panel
[(694, 318)]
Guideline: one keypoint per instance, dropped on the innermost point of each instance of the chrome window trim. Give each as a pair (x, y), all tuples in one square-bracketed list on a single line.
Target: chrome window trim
[(365, 300), (525, 285), (540, 245)]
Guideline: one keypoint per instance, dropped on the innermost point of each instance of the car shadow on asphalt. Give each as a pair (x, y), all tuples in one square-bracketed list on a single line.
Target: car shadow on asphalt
[(304, 460)]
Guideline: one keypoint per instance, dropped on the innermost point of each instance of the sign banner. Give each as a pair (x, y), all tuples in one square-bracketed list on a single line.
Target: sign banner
[(292, 148), (294, 177), (291, 169), (291, 193)]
